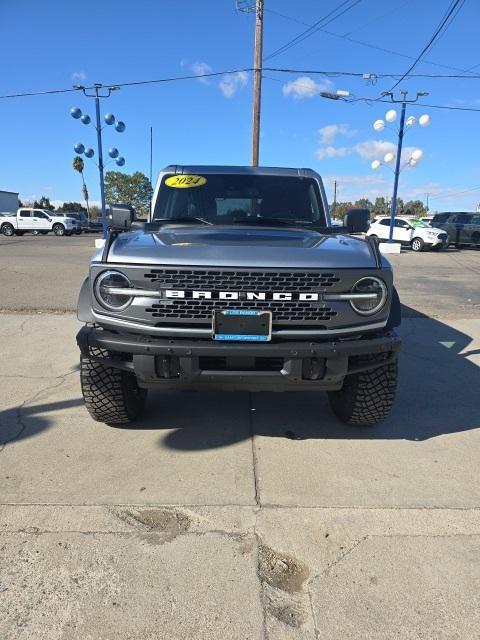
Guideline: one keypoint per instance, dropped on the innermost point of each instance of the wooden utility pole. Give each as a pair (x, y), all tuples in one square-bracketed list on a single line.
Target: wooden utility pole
[(257, 82)]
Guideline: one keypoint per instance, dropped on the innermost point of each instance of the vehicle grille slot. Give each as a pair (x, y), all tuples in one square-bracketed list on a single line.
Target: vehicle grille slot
[(203, 309), (240, 280)]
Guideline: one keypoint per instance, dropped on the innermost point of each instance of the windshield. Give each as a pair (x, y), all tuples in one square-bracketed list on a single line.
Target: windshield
[(224, 199)]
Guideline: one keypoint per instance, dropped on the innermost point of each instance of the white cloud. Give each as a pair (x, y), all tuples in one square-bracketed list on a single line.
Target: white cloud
[(376, 149), (231, 83), (305, 87), (328, 133), (79, 76), (200, 69), (332, 152)]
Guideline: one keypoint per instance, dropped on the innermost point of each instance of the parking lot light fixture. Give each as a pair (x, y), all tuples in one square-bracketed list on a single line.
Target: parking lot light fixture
[(417, 154), (98, 91), (340, 94)]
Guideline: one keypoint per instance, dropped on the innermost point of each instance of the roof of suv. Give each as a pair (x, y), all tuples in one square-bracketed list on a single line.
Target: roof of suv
[(240, 170)]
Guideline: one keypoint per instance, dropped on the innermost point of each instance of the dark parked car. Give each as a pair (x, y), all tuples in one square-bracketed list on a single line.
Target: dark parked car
[(86, 225), (463, 228)]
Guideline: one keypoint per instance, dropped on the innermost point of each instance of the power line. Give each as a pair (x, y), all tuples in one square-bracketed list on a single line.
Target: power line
[(383, 15), (130, 84), (325, 73), (314, 28), (375, 100), (370, 45), (419, 104), (455, 193), (433, 37), (360, 74)]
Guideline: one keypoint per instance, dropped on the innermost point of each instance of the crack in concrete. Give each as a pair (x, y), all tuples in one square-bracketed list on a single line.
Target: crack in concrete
[(254, 452), (18, 410)]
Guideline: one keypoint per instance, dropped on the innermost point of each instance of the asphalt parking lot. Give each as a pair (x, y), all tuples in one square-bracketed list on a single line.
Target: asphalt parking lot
[(238, 515)]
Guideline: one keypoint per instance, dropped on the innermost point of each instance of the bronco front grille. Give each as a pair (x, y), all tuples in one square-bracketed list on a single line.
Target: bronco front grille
[(203, 310), (240, 280)]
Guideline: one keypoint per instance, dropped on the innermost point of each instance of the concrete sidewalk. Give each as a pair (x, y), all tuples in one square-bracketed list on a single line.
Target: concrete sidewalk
[(238, 516)]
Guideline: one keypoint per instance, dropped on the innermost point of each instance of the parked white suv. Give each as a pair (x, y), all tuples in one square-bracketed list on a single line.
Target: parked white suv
[(409, 231)]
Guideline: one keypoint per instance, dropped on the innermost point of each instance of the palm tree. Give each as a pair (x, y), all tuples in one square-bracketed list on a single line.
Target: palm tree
[(78, 165)]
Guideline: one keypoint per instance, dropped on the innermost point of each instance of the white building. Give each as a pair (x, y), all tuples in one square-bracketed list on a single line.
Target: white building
[(8, 201)]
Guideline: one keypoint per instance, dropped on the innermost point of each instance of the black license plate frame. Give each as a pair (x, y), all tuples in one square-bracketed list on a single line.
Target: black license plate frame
[(242, 325)]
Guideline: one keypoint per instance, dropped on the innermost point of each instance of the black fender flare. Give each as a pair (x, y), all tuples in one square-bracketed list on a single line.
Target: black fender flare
[(395, 315), (84, 304)]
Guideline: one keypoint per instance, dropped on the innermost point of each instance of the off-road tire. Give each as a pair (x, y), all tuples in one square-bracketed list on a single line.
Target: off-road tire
[(8, 230), (417, 244), (58, 229), (111, 395), (367, 397)]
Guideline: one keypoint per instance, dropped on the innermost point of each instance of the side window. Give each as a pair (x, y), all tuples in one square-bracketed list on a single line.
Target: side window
[(40, 214), (25, 213), (476, 220), (401, 223), (462, 218), (385, 222)]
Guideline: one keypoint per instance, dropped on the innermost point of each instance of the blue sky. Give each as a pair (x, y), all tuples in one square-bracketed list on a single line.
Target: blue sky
[(52, 44)]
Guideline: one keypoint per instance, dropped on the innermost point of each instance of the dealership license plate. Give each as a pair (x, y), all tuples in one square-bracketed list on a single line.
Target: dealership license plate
[(245, 325)]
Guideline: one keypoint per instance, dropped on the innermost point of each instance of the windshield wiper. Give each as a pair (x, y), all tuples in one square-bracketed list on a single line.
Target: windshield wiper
[(181, 220)]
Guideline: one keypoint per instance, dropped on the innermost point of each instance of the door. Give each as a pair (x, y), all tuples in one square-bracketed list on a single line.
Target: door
[(382, 229), (475, 230), (403, 231), (41, 220), (458, 229), (24, 219)]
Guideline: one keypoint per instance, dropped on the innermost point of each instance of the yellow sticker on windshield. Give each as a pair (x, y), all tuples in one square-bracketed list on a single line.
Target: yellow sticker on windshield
[(185, 182)]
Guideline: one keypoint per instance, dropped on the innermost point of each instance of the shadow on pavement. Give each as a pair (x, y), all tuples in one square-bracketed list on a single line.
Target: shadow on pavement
[(27, 421), (438, 387), (437, 395)]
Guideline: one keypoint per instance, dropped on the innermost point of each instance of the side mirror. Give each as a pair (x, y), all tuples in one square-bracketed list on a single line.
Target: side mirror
[(120, 217), (357, 220)]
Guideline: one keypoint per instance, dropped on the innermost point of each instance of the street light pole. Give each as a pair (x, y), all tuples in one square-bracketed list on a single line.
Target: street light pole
[(89, 153), (397, 169), (100, 162), (257, 83)]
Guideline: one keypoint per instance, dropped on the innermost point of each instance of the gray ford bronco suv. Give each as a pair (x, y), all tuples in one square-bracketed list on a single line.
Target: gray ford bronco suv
[(238, 281)]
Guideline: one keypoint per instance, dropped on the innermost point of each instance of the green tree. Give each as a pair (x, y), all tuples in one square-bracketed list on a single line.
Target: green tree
[(363, 203), (342, 208), (78, 165), (133, 189), (44, 203), (71, 207), (380, 207), (415, 208)]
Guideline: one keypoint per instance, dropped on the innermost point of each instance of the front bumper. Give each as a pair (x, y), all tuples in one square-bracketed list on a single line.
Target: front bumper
[(275, 366)]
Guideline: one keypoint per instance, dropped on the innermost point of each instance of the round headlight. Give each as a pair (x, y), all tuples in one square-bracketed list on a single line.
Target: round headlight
[(107, 287), (370, 296)]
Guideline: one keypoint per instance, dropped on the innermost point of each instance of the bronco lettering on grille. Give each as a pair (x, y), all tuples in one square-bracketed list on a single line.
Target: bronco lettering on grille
[(173, 294)]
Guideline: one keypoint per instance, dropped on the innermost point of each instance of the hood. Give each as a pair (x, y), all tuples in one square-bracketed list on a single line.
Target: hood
[(244, 246)]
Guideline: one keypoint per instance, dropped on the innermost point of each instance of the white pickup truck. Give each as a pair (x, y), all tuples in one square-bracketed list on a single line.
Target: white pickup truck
[(39, 221)]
